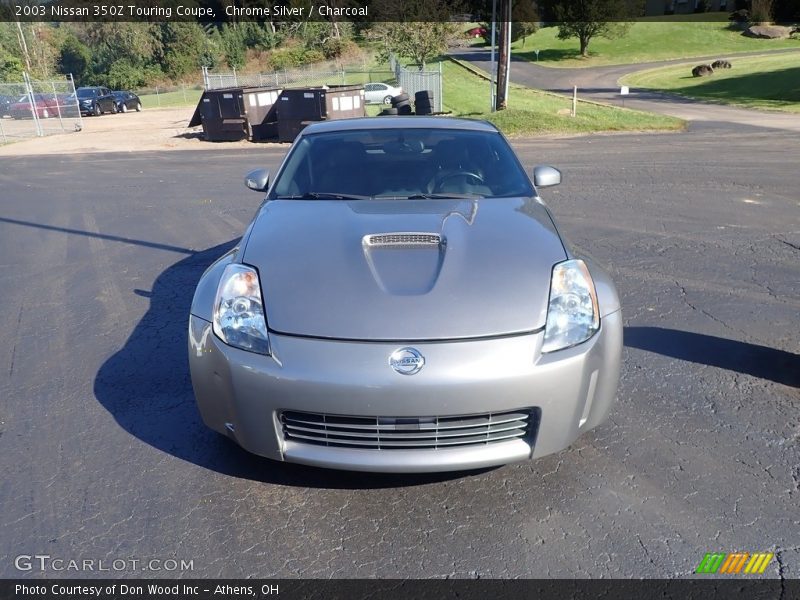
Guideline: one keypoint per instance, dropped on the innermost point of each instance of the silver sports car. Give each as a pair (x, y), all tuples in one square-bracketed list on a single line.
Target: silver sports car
[(403, 301)]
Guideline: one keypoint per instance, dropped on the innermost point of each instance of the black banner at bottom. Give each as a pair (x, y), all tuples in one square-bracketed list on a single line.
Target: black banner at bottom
[(415, 589)]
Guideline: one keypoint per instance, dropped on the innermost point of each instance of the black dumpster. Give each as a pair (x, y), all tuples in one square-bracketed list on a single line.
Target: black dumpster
[(232, 114), (300, 106)]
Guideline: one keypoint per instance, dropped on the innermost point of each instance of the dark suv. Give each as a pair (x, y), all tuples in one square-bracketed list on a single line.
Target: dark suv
[(96, 101)]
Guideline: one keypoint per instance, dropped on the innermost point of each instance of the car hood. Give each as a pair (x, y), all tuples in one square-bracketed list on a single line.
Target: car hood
[(483, 268)]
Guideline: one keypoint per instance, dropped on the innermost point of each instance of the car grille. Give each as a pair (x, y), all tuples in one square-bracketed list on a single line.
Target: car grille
[(407, 240), (403, 433)]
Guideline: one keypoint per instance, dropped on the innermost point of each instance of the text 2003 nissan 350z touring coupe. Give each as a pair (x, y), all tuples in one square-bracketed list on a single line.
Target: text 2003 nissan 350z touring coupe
[(401, 302)]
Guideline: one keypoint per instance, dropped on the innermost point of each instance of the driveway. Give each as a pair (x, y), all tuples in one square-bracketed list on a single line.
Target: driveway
[(601, 84), (103, 455)]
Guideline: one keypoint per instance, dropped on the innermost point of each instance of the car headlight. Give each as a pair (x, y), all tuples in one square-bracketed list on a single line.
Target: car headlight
[(239, 312), (573, 315)]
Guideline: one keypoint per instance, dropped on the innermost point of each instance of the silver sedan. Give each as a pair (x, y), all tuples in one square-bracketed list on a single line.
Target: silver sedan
[(403, 302)]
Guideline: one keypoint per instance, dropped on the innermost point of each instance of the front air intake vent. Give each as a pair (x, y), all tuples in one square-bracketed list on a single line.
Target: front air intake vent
[(408, 433), (403, 240)]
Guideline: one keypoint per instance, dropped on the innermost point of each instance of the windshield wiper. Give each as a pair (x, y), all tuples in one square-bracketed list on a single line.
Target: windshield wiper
[(324, 196), (443, 196)]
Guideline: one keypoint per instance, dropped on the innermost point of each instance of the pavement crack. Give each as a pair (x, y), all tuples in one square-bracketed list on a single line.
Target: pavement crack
[(14, 348), (781, 572), (790, 244)]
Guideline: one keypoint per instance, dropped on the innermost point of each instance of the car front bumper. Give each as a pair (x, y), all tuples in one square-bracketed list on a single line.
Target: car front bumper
[(243, 395)]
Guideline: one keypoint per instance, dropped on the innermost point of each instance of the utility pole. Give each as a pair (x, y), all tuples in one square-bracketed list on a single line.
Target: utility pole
[(505, 54)]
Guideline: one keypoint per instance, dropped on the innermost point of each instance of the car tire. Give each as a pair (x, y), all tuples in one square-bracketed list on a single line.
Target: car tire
[(138, 107), (45, 114), (96, 111), (114, 109), (124, 107), (387, 100)]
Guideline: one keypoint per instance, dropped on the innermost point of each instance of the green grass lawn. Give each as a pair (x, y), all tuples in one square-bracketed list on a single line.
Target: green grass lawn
[(189, 97), (534, 112), (646, 41), (771, 82)]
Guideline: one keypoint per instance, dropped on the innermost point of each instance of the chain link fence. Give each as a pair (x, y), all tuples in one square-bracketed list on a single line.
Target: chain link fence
[(37, 108), (167, 96), (310, 76), (413, 81)]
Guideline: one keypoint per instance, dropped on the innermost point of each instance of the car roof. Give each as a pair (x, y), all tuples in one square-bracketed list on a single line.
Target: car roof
[(403, 122)]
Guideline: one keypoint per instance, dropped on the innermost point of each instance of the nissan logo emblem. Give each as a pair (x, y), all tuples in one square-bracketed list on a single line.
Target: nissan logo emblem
[(407, 361)]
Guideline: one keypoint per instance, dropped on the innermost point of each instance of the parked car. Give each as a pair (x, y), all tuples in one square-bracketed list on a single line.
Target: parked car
[(127, 101), (46, 106), (402, 301), (476, 32), (380, 93), (96, 101)]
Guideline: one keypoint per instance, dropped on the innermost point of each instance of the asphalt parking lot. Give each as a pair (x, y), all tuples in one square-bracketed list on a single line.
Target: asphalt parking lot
[(104, 456)]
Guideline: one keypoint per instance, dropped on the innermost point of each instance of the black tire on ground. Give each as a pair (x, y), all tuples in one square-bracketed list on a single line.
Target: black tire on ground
[(124, 107), (97, 112), (423, 110), (423, 96), (387, 112), (404, 110), (114, 109), (399, 98), (138, 107)]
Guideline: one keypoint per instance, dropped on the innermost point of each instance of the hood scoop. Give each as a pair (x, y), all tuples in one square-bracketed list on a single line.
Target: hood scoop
[(404, 263), (402, 240)]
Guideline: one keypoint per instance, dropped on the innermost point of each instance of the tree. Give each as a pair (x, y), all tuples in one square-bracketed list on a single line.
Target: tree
[(233, 46), (524, 20), (11, 67), (418, 41), (183, 48), (74, 58), (587, 19), (416, 29)]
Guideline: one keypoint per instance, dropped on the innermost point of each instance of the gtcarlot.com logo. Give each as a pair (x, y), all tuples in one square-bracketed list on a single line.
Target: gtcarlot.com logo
[(45, 562)]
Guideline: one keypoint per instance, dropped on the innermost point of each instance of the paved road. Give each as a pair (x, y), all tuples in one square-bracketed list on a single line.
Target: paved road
[(103, 454), (602, 84)]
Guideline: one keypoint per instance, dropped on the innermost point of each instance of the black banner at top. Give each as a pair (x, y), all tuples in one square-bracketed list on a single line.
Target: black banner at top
[(276, 11)]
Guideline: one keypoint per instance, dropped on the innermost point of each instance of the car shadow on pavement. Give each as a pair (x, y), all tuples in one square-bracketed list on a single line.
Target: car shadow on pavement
[(759, 361), (147, 389)]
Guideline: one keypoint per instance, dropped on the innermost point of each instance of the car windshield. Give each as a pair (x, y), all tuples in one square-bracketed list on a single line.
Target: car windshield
[(402, 163), (86, 93)]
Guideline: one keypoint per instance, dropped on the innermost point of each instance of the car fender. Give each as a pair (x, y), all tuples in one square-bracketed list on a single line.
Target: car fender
[(206, 291), (607, 296)]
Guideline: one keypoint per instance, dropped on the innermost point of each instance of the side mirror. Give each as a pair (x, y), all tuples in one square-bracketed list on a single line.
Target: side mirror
[(545, 176), (257, 180)]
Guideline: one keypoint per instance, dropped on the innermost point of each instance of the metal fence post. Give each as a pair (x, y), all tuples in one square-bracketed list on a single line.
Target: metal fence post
[(58, 105), (77, 104), (440, 102), (29, 89)]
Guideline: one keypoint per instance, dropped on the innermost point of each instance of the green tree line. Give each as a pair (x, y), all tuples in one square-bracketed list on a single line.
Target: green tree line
[(132, 55)]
